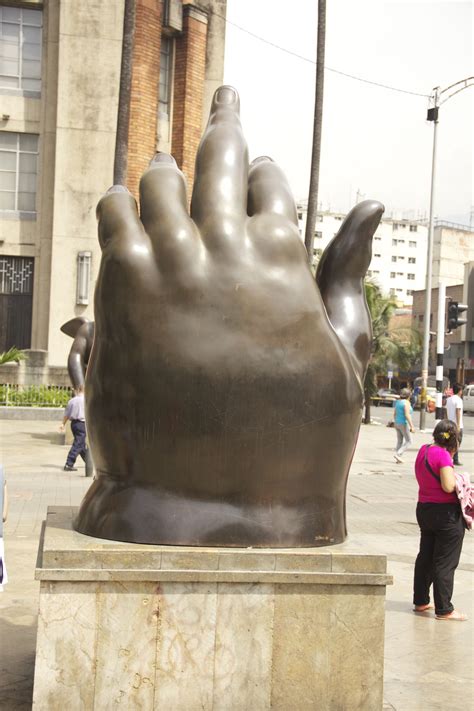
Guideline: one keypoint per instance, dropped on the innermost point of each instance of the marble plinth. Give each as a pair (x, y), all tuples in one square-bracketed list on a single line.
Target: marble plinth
[(171, 628)]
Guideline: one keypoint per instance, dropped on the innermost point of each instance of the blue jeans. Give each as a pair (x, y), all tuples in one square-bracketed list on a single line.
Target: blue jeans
[(79, 446)]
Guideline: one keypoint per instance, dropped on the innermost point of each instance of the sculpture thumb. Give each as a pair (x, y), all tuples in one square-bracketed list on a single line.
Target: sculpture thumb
[(340, 277)]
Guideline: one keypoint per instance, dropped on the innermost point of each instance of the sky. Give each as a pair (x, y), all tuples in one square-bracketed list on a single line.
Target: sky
[(375, 141)]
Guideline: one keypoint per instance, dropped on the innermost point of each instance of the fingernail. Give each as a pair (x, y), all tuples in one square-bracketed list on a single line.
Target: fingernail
[(262, 159), (117, 189), (160, 157), (226, 95)]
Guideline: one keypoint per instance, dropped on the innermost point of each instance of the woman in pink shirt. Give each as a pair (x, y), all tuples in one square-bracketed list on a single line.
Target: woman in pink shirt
[(441, 524)]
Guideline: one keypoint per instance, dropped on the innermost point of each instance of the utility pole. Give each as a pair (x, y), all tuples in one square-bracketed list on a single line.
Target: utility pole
[(432, 116), (440, 350), (440, 97), (317, 130)]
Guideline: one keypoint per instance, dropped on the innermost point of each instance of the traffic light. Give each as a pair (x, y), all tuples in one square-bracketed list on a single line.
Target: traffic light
[(454, 319)]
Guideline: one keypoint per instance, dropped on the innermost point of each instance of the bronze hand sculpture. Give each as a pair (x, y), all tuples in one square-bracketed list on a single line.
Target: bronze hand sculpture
[(223, 403)]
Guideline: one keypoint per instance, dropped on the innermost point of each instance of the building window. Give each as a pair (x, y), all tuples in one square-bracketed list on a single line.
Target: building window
[(394, 259), (318, 235), (409, 292), (16, 301), (411, 244), (395, 226), (413, 228), (400, 274), (377, 255), (337, 217), (18, 168), (411, 260), (378, 239), (421, 318), (394, 242), (401, 257), (411, 276), (400, 291), (393, 292), (376, 271), (166, 66), (83, 277), (392, 275), (317, 252), (401, 241), (20, 48), (300, 215), (369, 272)]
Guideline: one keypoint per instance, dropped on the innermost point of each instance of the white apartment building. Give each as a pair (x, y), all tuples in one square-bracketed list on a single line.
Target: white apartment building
[(398, 251)]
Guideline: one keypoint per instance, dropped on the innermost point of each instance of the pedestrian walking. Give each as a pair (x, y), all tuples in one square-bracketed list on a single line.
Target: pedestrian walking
[(454, 411), (402, 412), (75, 412), (441, 523)]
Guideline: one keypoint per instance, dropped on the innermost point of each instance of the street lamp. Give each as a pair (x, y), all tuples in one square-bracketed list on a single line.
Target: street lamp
[(440, 96)]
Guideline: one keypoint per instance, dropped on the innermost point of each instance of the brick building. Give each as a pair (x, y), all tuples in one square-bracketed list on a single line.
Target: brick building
[(60, 64)]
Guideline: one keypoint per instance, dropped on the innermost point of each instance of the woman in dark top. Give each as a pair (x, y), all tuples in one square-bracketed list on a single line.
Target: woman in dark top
[(441, 524)]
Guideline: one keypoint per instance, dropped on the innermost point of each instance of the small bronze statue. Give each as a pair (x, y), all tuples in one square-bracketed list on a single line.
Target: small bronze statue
[(224, 387), (82, 331)]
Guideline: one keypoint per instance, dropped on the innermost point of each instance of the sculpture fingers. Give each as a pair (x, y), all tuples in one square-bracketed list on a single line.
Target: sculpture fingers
[(340, 277), (220, 184), (164, 214), (128, 272), (272, 211), (269, 191)]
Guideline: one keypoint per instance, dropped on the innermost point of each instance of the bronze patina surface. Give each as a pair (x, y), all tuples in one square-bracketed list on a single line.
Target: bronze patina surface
[(81, 331), (224, 387)]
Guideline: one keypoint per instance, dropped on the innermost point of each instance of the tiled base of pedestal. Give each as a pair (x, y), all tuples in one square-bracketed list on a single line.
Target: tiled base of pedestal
[(206, 628)]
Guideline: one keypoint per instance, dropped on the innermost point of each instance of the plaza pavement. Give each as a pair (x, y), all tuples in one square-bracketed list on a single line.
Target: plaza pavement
[(428, 664)]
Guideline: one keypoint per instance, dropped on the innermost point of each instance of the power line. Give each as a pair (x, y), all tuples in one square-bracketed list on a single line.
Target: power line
[(311, 61)]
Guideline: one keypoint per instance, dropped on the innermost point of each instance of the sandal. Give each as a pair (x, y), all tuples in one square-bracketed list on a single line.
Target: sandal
[(423, 608), (454, 615)]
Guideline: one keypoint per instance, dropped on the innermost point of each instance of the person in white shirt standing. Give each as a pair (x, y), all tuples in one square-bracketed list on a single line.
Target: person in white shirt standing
[(75, 412), (454, 409)]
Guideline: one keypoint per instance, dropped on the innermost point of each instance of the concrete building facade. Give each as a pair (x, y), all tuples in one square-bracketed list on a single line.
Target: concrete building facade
[(453, 248), (60, 65), (459, 345)]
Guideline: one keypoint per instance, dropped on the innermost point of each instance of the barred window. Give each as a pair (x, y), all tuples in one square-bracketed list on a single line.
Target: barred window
[(18, 169), (20, 48), (166, 77)]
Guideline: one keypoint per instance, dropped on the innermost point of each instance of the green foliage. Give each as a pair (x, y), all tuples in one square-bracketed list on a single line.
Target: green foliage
[(34, 396), (14, 355), (400, 348)]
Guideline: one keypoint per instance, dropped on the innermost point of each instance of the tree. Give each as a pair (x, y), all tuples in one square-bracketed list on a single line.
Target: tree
[(317, 131), (123, 114), (400, 347)]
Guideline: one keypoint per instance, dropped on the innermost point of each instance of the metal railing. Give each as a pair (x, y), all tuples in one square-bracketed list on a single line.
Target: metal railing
[(34, 395)]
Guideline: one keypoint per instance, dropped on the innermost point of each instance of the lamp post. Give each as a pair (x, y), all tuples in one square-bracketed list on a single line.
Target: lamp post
[(440, 96)]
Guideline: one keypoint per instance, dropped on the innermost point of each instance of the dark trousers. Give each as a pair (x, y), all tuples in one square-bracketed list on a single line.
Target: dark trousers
[(456, 456), (442, 533), (79, 446)]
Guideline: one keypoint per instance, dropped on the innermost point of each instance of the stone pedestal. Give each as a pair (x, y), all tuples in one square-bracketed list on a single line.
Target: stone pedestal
[(169, 628)]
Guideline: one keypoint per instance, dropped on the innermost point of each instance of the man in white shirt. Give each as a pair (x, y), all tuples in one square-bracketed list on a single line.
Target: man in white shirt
[(454, 408)]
